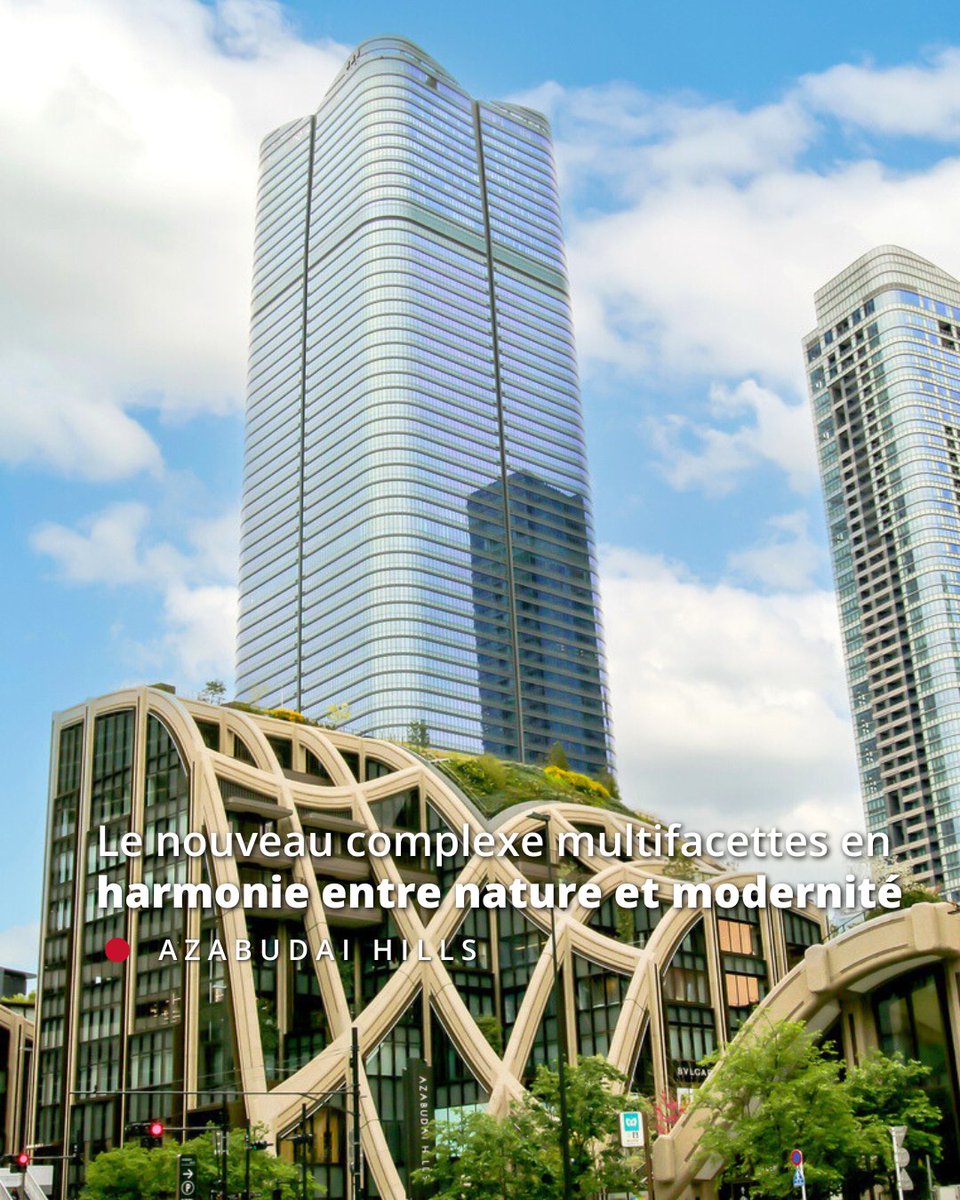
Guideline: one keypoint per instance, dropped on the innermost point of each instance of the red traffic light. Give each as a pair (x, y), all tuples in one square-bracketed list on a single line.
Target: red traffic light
[(155, 1129), (23, 1159)]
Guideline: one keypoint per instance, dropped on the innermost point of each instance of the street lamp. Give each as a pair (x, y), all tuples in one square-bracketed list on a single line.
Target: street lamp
[(560, 1005)]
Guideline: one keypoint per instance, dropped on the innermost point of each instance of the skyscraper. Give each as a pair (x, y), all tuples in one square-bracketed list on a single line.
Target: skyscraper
[(417, 536), (884, 375)]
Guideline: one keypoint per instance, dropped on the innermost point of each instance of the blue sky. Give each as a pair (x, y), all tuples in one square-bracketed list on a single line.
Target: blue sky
[(718, 162)]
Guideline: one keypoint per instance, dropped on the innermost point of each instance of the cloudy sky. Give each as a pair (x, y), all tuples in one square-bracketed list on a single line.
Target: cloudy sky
[(717, 166)]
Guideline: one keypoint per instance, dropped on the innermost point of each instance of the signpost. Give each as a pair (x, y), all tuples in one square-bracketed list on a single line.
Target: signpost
[(186, 1177), (799, 1180), (631, 1129), (418, 1111), (901, 1157)]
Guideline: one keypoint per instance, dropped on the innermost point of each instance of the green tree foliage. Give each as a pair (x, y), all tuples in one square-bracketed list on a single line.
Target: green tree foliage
[(518, 1156), (777, 1088), (134, 1173), (557, 757), (888, 1091), (418, 735), (214, 691), (492, 1030)]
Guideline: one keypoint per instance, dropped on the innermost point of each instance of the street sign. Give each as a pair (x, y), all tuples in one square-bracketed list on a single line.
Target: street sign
[(796, 1158), (186, 1176), (631, 1129), (798, 1180), (901, 1159)]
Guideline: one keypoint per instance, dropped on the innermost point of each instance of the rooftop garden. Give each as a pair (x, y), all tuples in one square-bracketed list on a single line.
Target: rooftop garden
[(494, 785)]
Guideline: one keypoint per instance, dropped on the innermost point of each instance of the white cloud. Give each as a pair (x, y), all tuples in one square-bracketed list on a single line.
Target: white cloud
[(201, 629), (715, 278), (53, 420), (130, 134), (699, 232), (713, 457), (195, 581), (730, 708), (787, 558), (20, 947), (916, 100)]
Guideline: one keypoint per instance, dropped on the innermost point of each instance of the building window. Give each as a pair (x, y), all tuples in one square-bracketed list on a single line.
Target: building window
[(689, 1017), (745, 975), (599, 999), (912, 1019), (799, 933)]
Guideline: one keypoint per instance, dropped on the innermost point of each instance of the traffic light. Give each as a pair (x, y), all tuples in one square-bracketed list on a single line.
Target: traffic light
[(150, 1133), (23, 1160), (76, 1154)]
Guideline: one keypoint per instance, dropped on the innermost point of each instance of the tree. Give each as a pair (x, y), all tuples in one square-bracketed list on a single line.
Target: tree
[(593, 1110), (887, 1091), (486, 1156), (913, 890), (132, 1172), (769, 1093), (418, 735), (214, 691), (775, 1088), (518, 1156), (492, 1030), (557, 757)]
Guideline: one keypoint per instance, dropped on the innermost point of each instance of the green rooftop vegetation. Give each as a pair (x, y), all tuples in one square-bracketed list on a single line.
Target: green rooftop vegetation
[(19, 1001), (494, 785)]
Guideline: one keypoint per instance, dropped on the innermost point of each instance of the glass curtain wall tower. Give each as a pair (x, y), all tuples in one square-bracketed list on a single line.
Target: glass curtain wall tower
[(416, 530), (884, 376)]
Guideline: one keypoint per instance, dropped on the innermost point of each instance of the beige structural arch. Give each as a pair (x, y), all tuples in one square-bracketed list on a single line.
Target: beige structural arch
[(833, 980), (259, 770)]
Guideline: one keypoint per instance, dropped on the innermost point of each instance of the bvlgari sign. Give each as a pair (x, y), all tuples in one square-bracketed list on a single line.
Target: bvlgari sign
[(418, 1114), (689, 1072)]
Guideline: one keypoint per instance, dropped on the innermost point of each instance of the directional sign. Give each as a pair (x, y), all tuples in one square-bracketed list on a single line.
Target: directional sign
[(796, 1158), (186, 1176), (901, 1158), (631, 1129)]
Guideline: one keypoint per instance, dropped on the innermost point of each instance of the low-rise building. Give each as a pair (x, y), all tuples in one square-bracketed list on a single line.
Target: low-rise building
[(465, 998)]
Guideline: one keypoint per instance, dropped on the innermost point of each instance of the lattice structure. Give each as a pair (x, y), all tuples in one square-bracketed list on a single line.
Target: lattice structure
[(122, 1042)]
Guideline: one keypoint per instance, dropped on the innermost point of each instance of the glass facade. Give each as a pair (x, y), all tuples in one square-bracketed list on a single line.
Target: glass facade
[(912, 1018), (884, 376), (417, 535), (178, 1030)]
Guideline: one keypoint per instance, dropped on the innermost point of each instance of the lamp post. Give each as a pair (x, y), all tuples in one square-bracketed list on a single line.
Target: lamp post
[(560, 1005)]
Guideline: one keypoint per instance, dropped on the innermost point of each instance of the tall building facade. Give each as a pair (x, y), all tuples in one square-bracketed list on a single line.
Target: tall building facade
[(884, 376), (417, 537), (175, 1038)]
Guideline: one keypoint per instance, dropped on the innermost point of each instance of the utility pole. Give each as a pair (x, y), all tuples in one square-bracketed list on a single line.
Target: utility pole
[(560, 1005), (303, 1152), (355, 1132), (648, 1155), (224, 1146), (246, 1165)]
